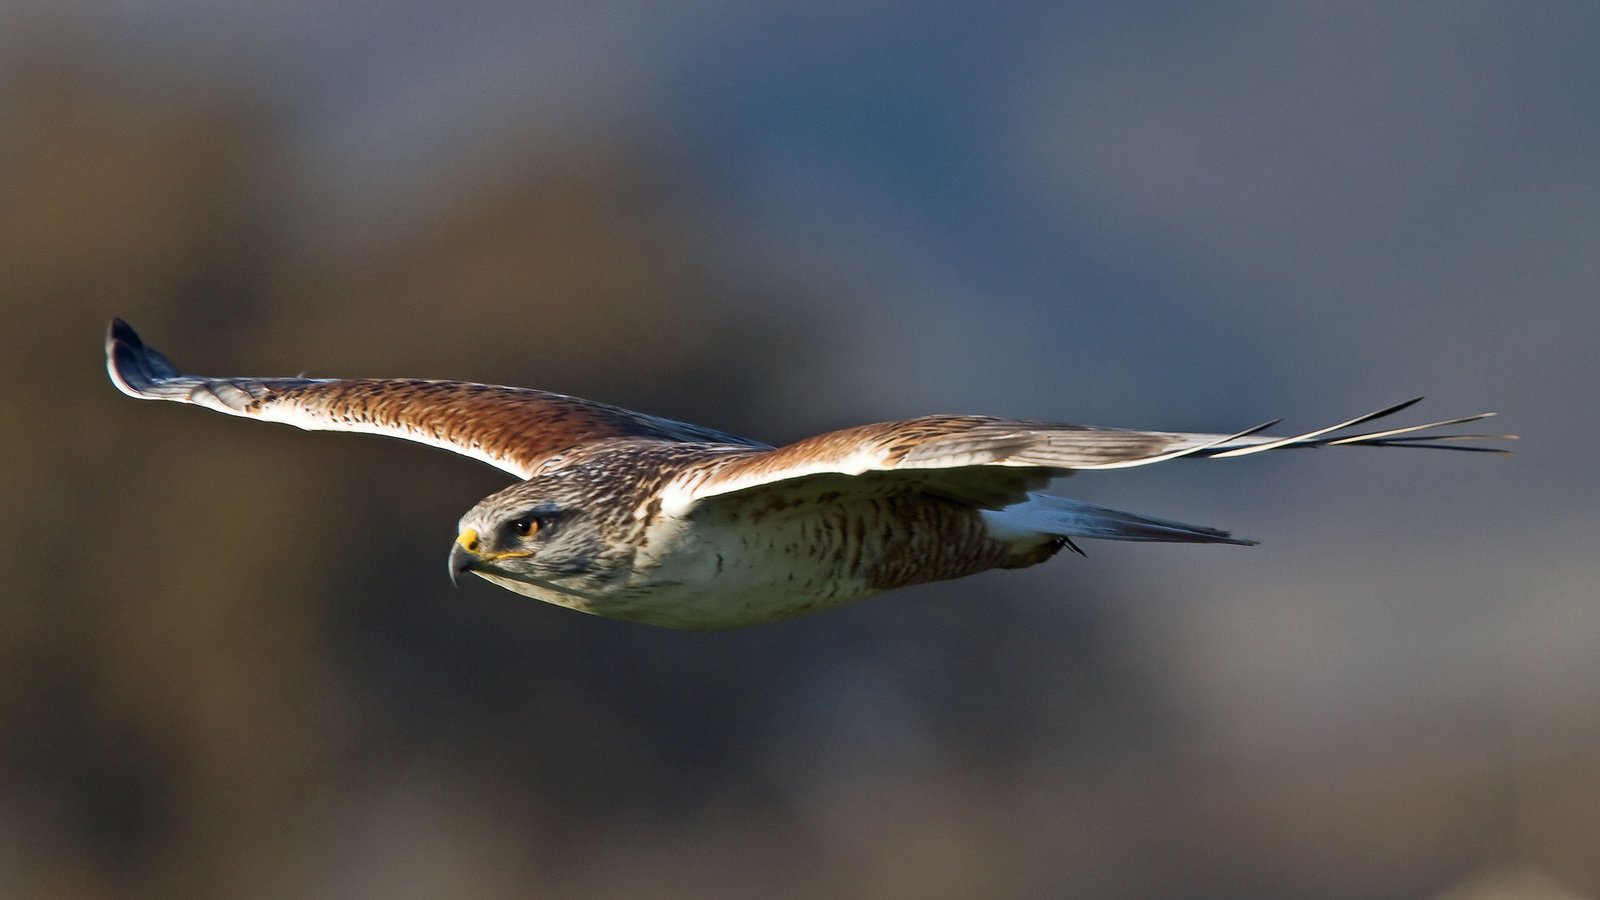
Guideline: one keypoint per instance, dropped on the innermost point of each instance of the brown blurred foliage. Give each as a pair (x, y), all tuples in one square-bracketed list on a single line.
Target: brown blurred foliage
[(230, 662), (233, 665), (171, 705)]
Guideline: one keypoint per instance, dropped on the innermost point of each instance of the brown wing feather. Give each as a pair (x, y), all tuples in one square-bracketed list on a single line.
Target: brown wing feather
[(1020, 453), (985, 461), (515, 429)]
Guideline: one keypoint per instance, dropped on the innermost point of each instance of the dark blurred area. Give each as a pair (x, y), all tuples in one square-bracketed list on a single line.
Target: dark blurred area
[(231, 662)]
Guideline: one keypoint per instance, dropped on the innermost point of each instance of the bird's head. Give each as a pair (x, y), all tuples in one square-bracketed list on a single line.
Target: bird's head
[(541, 537)]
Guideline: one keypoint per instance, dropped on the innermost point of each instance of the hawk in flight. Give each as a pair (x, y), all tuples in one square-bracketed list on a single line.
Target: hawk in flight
[(626, 515)]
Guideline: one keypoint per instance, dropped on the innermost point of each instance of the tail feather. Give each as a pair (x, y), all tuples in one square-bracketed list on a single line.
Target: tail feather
[(1061, 517)]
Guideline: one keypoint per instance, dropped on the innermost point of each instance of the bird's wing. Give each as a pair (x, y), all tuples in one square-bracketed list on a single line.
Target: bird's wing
[(515, 429), (990, 462)]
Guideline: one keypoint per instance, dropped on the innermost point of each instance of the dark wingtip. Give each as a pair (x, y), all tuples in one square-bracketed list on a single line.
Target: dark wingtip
[(133, 367), (1218, 536), (123, 357), (118, 330)]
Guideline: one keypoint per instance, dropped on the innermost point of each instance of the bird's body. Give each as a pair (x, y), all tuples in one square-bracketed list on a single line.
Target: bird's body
[(634, 517), (756, 557), (772, 555)]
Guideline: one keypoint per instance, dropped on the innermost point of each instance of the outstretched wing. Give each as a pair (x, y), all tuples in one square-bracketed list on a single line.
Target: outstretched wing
[(993, 462), (515, 429)]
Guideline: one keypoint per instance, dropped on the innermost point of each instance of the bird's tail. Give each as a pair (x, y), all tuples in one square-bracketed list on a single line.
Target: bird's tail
[(1061, 517)]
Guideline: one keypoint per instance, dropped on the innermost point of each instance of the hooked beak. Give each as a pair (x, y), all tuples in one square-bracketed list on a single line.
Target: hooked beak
[(464, 555)]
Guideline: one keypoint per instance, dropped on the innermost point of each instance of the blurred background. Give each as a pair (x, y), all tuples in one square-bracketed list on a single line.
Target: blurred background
[(231, 663)]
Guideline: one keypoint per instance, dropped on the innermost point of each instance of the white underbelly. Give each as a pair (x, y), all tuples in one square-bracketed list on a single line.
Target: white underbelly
[(739, 567), (719, 577)]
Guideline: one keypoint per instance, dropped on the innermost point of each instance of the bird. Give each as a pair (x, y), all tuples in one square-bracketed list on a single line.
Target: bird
[(635, 517)]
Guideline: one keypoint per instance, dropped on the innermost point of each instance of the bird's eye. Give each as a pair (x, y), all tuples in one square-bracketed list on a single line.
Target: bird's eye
[(524, 526)]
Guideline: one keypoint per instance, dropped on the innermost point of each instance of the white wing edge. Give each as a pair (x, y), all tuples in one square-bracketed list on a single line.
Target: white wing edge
[(143, 373)]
